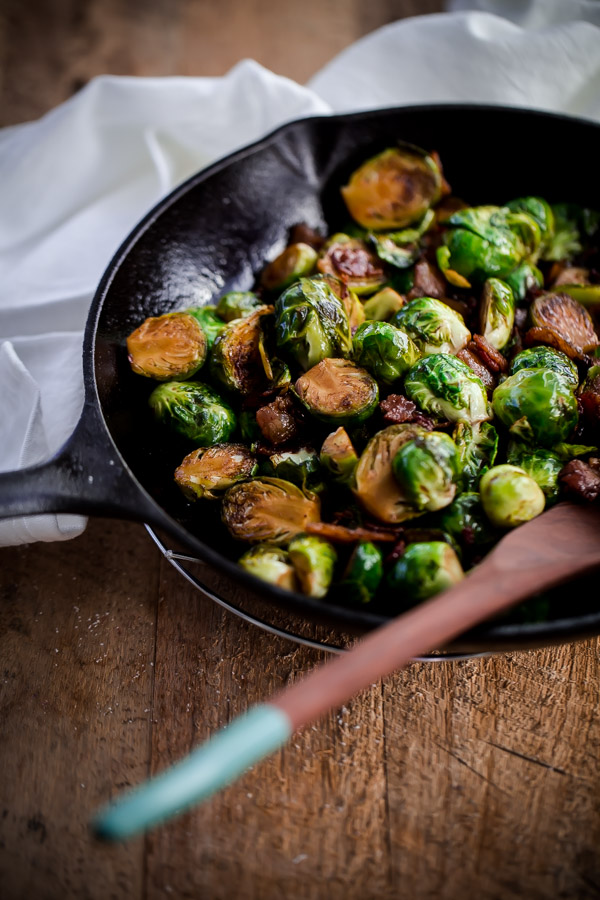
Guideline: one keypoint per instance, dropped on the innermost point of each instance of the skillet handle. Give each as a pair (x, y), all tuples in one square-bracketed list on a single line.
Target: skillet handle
[(77, 480)]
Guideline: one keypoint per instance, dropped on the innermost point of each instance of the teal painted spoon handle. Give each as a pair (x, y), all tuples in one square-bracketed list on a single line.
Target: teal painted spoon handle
[(552, 548)]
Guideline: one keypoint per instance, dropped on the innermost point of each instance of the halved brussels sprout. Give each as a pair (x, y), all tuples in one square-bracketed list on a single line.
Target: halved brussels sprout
[(312, 323), (237, 305), (194, 411), (268, 509), (477, 447), (382, 305), (339, 456), (210, 323), (393, 189), (433, 326), (335, 390), (541, 464), (237, 359), (363, 574), (301, 467), (465, 521), (510, 496), (523, 279), (352, 262), (445, 386), (296, 261), (537, 406), (375, 485), (559, 314), (546, 358), (168, 347), (497, 313), (424, 570), (427, 469), (384, 350), (208, 471), (314, 560), (270, 563)]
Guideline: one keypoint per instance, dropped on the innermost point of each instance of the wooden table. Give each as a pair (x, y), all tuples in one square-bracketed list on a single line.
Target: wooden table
[(474, 777)]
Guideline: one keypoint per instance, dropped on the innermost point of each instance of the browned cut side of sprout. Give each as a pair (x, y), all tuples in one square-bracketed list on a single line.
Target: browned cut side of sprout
[(237, 354), (168, 347), (563, 323), (268, 509), (207, 472)]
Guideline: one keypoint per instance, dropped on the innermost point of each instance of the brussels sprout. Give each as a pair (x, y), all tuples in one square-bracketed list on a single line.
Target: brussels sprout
[(536, 405), (194, 411), (487, 242), (350, 260), (353, 306), (207, 472), (523, 279), (542, 465), (393, 189), (268, 509), (497, 313), (296, 261), (427, 469), (541, 211), (465, 521), (567, 452), (374, 484), (382, 305), (510, 496), (270, 563), (237, 305), (168, 347), (301, 467), (384, 350), (424, 570), (572, 225), (312, 323), (339, 456), (446, 387), (210, 323), (335, 390), (477, 447), (586, 294), (313, 560), (546, 358), (237, 359), (363, 574), (560, 315), (433, 326)]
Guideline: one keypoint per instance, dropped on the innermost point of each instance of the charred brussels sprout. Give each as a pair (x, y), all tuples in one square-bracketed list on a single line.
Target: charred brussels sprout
[(510, 496), (314, 561), (446, 387), (542, 465), (427, 470), (237, 305), (546, 358), (433, 326), (374, 483), (268, 509), (296, 261), (270, 563), (168, 347), (393, 189), (301, 467), (383, 305), (559, 320), (465, 521), (524, 278), (352, 262), (425, 569), (384, 350), (477, 447), (210, 323), (336, 390), (194, 411), (363, 574), (312, 323), (537, 406), (338, 456), (497, 313), (237, 359), (208, 472)]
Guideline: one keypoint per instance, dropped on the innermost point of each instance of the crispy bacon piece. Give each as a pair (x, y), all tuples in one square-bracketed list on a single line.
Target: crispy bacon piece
[(490, 357), (398, 409), (580, 481), (304, 234), (473, 361), (340, 534), (428, 281), (279, 421)]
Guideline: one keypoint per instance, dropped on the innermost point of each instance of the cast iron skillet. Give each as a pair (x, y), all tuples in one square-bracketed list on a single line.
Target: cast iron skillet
[(212, 235)]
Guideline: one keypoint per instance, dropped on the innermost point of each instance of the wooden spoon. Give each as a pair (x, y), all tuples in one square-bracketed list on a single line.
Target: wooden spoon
[(561, 543)]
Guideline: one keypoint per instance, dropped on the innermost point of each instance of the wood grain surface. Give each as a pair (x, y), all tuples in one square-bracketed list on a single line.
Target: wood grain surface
[(449, 779)]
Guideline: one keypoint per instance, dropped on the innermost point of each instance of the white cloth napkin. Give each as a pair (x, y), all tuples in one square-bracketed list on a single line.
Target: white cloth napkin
[(75, 182)]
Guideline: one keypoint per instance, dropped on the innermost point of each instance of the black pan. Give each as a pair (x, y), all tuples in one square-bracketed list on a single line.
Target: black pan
[(212, 235)]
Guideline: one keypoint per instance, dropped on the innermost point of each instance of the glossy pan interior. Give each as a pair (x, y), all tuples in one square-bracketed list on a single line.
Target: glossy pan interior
[(212, 235)]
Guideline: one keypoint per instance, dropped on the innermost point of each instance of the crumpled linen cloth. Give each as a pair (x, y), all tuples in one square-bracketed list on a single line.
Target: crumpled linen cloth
[(76, 181)]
